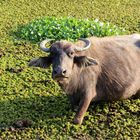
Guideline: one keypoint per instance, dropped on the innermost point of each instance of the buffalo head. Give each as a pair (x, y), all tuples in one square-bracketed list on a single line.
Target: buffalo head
[(63, 55)]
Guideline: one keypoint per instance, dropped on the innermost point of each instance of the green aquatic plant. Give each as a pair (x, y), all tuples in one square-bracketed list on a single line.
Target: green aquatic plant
[(68, 28)]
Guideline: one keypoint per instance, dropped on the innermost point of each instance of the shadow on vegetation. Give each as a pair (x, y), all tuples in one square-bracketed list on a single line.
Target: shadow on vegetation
[(53, 114), (36, 108), (43, 108)]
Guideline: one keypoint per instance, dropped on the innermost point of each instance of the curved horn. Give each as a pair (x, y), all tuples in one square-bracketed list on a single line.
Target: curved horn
[(43, 43), (88, 44)]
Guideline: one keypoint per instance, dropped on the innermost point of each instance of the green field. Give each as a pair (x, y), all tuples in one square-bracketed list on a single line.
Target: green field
[(30, 93)]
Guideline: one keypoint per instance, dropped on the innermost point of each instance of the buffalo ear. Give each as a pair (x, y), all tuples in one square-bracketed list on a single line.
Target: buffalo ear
[(85, 61), (42, 62)]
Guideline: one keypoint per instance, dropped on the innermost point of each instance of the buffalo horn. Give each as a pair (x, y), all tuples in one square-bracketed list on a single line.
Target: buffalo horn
[(43, 43), (88, 44)]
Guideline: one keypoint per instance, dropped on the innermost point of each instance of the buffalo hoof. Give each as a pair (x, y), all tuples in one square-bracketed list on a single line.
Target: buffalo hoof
[(78, 120)]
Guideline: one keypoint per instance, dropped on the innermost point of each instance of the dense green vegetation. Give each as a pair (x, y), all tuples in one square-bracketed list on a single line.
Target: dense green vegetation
[(65, 28), (30, 93)]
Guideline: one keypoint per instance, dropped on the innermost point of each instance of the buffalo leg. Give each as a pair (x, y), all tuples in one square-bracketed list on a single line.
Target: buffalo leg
[(83, 106)]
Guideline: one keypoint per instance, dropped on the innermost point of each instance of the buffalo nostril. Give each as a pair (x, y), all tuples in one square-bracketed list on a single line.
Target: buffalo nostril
[(59, 71), (64, 72)]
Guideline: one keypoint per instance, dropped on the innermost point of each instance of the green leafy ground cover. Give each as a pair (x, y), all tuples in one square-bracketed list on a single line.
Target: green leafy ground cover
[(65, 28), (30, 93)]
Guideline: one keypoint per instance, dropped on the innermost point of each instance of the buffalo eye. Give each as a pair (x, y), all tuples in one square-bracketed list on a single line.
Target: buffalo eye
[(71, 54)]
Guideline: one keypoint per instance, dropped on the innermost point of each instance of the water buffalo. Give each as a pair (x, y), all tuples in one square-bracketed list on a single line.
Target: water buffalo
[(94, 69)]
